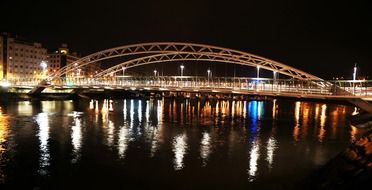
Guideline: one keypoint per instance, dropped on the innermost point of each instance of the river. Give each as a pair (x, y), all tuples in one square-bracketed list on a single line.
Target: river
[(166, 143)]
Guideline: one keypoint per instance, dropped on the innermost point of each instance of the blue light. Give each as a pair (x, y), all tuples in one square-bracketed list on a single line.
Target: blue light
[(255, 111)]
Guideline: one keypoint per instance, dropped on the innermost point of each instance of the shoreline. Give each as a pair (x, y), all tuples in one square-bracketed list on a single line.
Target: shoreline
[(350, 169)]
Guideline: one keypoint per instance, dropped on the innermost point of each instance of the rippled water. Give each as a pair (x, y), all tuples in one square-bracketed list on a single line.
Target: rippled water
[(167, 143)]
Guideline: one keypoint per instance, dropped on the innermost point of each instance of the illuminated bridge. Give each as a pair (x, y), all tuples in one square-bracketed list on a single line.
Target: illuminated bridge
[(292, 83)]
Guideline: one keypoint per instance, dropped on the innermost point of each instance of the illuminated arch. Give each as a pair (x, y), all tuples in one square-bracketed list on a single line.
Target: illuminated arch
[(174, 51)]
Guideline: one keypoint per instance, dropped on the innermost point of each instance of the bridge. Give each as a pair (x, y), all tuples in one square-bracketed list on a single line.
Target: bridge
[(292, 83)]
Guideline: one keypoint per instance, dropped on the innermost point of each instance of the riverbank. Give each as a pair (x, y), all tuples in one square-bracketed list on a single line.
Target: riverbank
[(351, 169)]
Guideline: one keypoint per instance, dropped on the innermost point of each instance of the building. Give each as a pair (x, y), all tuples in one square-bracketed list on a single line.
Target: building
[(20, 59), (62, 57)]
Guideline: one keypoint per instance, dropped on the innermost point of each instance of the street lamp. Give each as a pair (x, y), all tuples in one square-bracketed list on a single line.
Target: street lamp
[(123, 68), (182, 67), (354, 77), (209, 74), (355, 72)]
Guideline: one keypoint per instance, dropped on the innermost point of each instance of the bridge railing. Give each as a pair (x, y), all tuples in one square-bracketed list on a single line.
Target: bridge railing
[(326, 88), (215, 83), (354, 87)]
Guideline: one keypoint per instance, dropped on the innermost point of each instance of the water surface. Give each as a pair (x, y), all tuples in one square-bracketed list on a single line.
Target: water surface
[(189, 144)]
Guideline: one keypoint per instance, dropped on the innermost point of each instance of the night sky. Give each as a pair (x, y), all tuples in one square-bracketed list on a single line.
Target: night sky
[(320, 37)]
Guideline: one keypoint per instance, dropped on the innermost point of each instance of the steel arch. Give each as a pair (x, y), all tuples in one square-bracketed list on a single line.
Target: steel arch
[(240, 57), (170, 57)]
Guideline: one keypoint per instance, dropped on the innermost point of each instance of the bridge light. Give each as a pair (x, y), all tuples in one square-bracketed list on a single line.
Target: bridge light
[(155, 71), (182, 67), (209, 72), (355, 71), (123, 68), (258, 71)]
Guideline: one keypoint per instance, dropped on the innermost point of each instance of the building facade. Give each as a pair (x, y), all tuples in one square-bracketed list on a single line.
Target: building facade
[(20, 59), (61, 58)]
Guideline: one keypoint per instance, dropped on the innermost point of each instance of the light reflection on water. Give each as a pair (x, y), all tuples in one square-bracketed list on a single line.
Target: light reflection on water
[(4, 131), (205, 147), (257, 133), (4, 134), (323, 117), (43, 122), (253, 158), (271, 146), (179, 150), (76, 135)]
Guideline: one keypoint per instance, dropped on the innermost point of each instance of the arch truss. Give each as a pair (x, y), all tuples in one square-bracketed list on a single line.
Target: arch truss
[(174, 51)]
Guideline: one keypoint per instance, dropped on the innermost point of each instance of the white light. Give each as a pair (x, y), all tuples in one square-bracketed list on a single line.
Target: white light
[(43, 65), (182, 67), (355, 70), (42, 120), (271, 146), (254, 155), (76, 136), (179, 150), (4, 83), (205, 148)]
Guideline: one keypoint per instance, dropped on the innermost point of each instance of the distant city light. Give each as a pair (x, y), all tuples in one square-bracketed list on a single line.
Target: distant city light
[(4, 83), (43, 65)]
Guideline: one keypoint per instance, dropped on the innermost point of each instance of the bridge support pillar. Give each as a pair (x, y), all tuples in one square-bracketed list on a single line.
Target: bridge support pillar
[(39, 88)]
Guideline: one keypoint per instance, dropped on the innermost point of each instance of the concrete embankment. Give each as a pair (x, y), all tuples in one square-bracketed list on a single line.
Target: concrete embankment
[(351, 169)]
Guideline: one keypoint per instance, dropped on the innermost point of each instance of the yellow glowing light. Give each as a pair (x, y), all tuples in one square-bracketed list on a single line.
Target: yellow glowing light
[(297, 113), (323, 115), (4, 130), (296, 133), (353, 133), (274, 109)]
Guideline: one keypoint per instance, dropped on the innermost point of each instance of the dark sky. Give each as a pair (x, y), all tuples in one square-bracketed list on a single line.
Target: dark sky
[(321, 37)]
